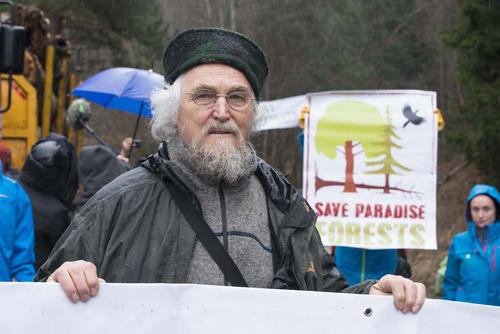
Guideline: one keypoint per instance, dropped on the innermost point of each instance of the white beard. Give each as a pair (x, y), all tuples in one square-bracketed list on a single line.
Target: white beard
[(223, 160)]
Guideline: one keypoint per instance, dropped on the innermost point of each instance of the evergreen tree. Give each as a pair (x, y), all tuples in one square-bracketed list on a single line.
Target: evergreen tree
[(477, 40), (385, 156), (133, 30)]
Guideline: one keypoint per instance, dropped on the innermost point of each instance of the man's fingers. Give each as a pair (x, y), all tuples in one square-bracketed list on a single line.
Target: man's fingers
[(51, 279), (420, 298), (93, 281), (398, 293), (78, 276), (78, 280), (407, 295), (66, 282), (410, 290)]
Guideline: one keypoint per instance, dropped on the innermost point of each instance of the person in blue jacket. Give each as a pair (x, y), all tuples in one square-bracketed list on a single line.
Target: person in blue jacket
[(17, 240), (359, 264), (471, 275)]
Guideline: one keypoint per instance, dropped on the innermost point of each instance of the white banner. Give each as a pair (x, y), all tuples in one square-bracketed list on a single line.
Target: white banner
[(27, 308), (282, 113), (370, 168)]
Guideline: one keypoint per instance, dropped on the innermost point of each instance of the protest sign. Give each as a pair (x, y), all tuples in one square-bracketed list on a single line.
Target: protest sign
[(281, 113), (370, 168)]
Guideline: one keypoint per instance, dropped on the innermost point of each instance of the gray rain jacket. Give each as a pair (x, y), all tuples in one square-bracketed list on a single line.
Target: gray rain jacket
[(133, 232)]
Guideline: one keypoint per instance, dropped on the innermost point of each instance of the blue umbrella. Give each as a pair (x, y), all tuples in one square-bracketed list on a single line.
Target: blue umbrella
[(122, 88)]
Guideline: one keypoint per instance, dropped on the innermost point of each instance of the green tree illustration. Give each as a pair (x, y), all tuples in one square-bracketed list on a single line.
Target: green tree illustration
[(344, 126), (385, 159)]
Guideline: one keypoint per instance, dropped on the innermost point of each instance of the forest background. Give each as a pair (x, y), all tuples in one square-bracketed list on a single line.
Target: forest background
[(448, 46)]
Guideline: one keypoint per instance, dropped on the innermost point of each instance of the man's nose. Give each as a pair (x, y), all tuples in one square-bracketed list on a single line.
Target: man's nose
[(221, 109)]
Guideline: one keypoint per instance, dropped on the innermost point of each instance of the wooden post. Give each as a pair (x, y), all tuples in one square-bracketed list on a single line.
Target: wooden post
[(72, 85), (47, 91), (61, 97)]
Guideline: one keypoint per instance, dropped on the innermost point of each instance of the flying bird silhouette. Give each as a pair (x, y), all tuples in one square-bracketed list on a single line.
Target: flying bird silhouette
[(411, 116)]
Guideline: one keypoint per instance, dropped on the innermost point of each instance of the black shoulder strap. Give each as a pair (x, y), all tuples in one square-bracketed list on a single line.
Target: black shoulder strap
[(206, 235)]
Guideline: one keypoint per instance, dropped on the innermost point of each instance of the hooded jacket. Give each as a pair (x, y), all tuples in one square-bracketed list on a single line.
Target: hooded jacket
[(97, 166), (472, 272), (50, 180), (133, 232), (17, 256)]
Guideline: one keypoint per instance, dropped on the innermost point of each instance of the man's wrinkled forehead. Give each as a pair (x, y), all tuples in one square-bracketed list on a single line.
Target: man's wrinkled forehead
[(218, 78)]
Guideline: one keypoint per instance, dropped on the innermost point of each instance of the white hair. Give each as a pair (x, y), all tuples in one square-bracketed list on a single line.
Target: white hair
[(257, 119), (166, 104)]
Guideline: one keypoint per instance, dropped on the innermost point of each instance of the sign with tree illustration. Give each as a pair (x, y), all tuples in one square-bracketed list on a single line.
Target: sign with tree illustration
[(370, 168)]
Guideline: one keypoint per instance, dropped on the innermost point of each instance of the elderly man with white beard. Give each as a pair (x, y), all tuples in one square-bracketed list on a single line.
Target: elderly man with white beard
[(158, 223)]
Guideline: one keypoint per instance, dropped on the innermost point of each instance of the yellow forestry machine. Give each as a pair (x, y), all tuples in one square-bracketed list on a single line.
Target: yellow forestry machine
[(35, 80)]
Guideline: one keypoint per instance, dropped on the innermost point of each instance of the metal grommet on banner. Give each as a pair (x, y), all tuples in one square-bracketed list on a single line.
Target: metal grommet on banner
[(368, 312)]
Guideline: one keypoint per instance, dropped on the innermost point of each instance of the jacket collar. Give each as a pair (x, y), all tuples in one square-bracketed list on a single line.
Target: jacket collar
[(277, 188), (489, 233)]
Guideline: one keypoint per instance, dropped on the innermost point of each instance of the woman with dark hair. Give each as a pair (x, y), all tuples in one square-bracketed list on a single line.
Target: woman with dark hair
[(471, 275)]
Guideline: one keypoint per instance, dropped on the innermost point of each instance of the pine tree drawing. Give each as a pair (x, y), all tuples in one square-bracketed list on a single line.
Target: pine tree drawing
[(385, 159)]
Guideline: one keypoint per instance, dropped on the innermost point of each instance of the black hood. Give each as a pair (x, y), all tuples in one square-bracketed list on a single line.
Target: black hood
[(97, 166), (51, 168)]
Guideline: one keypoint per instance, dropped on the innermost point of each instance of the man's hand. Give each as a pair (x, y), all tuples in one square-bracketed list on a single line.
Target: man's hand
[(126, 146), (78, 279), (125, 149), (408, 295)]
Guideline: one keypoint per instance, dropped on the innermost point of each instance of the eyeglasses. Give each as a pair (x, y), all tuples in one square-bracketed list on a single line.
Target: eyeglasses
[(205, 99)]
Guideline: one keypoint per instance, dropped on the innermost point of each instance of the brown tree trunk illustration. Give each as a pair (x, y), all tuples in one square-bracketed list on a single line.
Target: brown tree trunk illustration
[(350, 186), (386, 186), (320, 183)]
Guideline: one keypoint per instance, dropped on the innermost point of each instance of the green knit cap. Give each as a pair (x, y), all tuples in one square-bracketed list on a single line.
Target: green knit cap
[(198, 46)]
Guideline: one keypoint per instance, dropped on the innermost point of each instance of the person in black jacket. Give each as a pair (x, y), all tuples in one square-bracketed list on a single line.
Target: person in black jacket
[(97, 166), (140, 227), (49, 177)]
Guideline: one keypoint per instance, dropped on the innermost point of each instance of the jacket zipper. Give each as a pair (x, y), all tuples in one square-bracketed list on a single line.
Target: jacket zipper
[(485, 238), (493, 253), (223, 215)]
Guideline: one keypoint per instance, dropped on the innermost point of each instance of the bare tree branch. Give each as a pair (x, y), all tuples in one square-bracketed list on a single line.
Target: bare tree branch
[(454, 172)]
